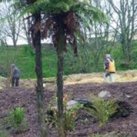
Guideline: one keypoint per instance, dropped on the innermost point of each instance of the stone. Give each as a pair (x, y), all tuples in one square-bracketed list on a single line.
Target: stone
[(104, 94), (44, 85), (71, 104)]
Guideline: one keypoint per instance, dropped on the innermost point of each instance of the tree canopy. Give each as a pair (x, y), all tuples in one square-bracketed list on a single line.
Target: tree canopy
[(72, 14)]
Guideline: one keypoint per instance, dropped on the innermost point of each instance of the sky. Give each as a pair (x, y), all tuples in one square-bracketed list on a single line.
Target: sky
[(22, 41)]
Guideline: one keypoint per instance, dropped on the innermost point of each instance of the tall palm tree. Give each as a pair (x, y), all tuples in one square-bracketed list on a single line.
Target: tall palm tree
[(62, 21)]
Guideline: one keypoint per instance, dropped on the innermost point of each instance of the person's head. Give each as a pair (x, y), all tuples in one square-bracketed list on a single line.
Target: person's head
[(108, 56), (13, 66)]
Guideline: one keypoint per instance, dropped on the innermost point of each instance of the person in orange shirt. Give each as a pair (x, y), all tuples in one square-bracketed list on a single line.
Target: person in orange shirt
[(110, 69)]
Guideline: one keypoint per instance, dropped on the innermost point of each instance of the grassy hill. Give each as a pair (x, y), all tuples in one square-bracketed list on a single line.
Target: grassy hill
[(24, 58), (89, 60)]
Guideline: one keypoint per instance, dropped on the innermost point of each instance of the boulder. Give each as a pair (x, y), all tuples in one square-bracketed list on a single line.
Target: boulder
[(104, 94)]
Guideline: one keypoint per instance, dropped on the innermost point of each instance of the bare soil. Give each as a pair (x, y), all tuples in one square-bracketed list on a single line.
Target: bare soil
[(26, 97)]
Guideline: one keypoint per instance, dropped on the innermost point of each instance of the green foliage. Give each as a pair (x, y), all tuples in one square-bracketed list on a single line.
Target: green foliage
[(86, 62), (79, 64), (24, 57), (17, 116), (70, 14), (78, 6), (70, 116), (3, 133), (103, 109), (28, 50), (17, 121)]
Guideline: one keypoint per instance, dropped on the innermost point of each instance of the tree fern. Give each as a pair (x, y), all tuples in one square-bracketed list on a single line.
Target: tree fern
[(61, 20)]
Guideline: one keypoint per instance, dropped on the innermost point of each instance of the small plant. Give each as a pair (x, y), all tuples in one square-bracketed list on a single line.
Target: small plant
[(103, 109), (17, 119), (17, 116), (70, 116)]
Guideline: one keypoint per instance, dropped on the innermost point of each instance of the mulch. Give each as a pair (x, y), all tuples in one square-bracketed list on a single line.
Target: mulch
[(13, 97)]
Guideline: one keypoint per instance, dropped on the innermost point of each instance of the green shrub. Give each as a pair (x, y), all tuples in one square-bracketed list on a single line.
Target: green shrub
[(103, 109), (17, 116), (70, 117), (17, 120)]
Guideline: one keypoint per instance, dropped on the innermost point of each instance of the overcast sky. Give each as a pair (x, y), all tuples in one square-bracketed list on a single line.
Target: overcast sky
[(23, 41)]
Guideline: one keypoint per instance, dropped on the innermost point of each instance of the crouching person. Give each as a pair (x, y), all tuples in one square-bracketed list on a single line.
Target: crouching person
[(15, 75)]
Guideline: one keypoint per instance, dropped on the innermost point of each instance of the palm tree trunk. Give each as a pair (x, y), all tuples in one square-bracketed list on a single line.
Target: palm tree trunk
[(60, 69), (36, 39)]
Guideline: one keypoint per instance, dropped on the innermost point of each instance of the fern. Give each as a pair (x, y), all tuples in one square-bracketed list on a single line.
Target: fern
[(103, 109), (17, 116)]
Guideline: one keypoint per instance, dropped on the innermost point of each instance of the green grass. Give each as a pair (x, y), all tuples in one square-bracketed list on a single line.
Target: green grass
[(24, 58), (88, 60)]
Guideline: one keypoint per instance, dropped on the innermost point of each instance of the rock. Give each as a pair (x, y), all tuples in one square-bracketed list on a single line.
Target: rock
[(71, 104), (104, 94), (86, 103), (128, 96), (44, 85)]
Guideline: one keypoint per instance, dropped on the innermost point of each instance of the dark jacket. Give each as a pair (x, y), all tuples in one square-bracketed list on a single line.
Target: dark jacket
[(16, 72)]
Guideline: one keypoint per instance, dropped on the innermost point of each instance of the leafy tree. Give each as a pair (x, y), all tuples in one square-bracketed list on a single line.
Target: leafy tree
[(62, 21)]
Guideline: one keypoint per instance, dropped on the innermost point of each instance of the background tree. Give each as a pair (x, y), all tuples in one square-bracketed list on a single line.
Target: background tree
[(61, 22), (126, 13), (26, 33), (99, 39), (101, 36), (11, 25)]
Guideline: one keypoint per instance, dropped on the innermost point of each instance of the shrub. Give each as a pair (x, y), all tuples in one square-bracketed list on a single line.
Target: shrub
[(103, 109), (17, 120), (70, 116), (17, 116)]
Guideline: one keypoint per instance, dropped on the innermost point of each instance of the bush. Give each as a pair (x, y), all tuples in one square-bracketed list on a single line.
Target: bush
[(70, 117), (17, 120), (17, 116), (103, 109)]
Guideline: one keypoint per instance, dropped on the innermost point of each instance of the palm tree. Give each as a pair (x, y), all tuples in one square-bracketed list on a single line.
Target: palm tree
[(61, 20)]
